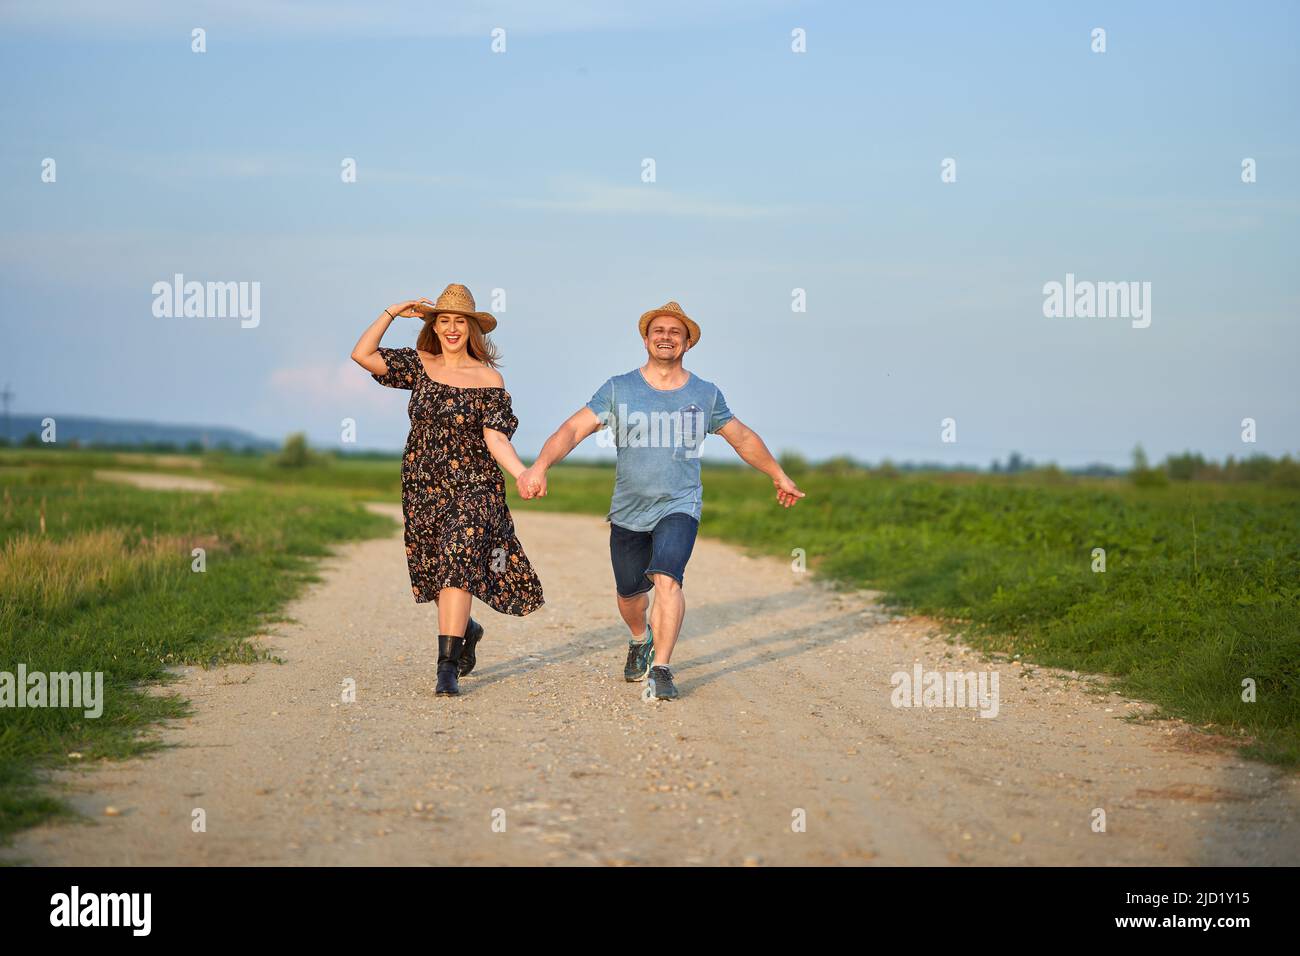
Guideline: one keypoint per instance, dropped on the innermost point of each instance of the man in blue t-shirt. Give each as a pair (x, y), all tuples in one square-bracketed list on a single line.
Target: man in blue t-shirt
[(657, 417)]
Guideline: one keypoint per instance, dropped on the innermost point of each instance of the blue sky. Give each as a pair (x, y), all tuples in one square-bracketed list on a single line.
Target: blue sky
[(775, 171)]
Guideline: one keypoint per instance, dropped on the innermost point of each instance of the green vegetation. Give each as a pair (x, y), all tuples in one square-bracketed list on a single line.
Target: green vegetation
[(97, 577), (1201, 587)]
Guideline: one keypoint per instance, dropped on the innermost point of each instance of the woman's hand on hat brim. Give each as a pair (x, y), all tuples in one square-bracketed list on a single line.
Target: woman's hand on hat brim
[(405, 309)]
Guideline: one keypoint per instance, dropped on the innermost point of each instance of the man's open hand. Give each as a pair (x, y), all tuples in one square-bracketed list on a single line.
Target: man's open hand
[(787, 492)]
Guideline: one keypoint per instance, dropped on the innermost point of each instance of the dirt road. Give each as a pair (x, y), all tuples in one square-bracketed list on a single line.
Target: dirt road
[(549, 757), (157, 481)]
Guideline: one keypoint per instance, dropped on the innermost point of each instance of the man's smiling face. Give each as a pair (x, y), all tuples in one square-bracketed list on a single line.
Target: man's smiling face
[(666, 338)]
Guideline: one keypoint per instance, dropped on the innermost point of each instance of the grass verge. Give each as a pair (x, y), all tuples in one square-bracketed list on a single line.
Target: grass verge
[(108, 586), (1200, 593)]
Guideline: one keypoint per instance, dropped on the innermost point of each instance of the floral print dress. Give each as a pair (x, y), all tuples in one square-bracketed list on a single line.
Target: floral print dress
[(459, 533)]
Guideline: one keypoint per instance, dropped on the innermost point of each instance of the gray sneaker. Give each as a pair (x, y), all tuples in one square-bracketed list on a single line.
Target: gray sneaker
[(660, 685), (639, 656)]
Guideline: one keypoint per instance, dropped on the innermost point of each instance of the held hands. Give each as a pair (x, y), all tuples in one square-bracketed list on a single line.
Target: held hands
[(787, 492), (531, 483)]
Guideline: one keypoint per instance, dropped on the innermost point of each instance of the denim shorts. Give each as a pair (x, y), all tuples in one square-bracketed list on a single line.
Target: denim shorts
[(638, 554)]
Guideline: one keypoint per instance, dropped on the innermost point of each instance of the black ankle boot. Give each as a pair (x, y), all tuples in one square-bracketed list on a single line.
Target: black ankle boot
[(473, 634), (449, 651)]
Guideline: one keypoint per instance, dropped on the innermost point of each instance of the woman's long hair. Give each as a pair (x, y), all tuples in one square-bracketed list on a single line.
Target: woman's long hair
[(478, 346)]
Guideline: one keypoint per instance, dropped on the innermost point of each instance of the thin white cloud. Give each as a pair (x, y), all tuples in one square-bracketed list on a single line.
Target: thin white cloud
[(1198, 214), (328, 385)]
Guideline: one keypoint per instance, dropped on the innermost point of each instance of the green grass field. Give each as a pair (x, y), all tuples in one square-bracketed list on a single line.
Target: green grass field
[(108, 586), (1201, 588)]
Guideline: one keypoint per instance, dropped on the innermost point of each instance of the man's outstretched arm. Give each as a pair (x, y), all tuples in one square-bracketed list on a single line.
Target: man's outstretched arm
[(751, 448), (532, 480)]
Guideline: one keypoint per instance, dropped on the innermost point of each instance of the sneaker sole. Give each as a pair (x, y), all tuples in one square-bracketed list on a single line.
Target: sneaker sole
[(650, 693)]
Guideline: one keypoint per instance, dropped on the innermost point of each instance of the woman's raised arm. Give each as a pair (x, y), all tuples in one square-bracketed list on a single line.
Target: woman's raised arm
[(366, 353)]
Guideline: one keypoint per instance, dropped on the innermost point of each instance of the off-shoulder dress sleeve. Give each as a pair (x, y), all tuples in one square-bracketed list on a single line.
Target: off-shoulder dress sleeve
[(497, 412), (403, 367)]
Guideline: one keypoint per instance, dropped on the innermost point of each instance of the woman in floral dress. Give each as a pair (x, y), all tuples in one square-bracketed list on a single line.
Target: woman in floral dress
[(460, 538)]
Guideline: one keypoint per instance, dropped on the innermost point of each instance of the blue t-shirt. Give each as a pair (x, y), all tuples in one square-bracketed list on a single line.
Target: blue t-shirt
[(659, 435)]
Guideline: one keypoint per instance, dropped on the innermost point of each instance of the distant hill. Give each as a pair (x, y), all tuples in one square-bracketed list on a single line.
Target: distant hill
[(104, 431)]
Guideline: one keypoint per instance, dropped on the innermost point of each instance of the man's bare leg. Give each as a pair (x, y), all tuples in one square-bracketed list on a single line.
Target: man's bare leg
[(632, 611), (666, 616)]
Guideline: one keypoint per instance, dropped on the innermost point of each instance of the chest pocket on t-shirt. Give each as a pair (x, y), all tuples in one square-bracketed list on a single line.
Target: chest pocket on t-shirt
[(689, 431)]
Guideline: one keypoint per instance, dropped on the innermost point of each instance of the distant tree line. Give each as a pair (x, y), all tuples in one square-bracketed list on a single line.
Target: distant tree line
[(195, 447), (1193, 466), (1188, 466), (293, 452)]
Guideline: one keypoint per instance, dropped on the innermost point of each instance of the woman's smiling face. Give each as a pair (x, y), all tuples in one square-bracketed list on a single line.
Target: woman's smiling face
[(453, 331)]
